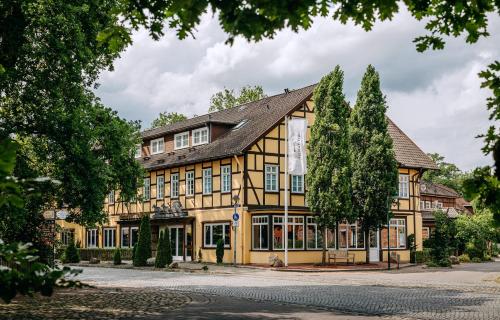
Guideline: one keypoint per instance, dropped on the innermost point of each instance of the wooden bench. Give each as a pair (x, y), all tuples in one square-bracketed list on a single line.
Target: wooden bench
[(340, 254)]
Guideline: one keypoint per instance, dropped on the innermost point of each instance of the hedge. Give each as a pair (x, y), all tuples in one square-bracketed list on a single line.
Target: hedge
[(104, 254)]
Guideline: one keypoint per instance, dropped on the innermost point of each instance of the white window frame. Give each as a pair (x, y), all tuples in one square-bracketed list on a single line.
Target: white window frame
[(398, 223), (199, 131), (404, 186), (428, 204), (174, 185), (111, 197), (428, 233), (292, 221), (131, 229), (310, 221), (439, 205), (297, 185), (138, 151), (183, 138), (146, 191), (190, 182), (92, 238), (155, 145), (271, 175), (225, 178), (211, 226), (160, 187), (67, 236), (207, 181), (422, 204), (260, 221), (107, 242)]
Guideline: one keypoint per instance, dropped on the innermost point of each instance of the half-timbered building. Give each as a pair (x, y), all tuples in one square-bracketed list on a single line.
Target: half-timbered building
[(196, 170)]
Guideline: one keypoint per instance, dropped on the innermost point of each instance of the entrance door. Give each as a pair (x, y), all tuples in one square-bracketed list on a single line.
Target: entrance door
[(374, 246), (177, 240)]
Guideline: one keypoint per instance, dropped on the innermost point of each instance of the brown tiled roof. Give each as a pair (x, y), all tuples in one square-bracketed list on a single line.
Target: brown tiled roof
[(438, 190), (260, 116)]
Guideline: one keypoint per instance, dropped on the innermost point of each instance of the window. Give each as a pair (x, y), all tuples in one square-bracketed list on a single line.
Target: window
[(397, 234), (314, 235), (260, 232), (67, 236), (297, 184), (271, 178), (92, 238), (200, 136), (240, 124), (439, 205), (138, 151), (422, 205), (134, 235), (109, 237), (181, 140), (295, 232), (216, 231), (125, 239), (174, 185), (207, 181), (157, 146), (160, 187), (147, 189), (111, 197), (425, 233), (330, 238), (352, 235), (225, 179), (427, 204), (403, 185), (189, 183)]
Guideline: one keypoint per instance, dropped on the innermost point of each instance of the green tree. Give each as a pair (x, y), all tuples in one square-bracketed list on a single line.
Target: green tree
[(374, 167), (439, 239), (143, 250), (71, 254), (117, 257), (227, 98), (448, 174), (168, 247), (161, 252), (477, 232), (329, 188), (166, 118), (219, 251)]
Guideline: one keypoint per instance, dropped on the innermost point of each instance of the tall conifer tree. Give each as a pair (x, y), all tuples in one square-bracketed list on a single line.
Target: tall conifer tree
[(374, 167), (329, 191)]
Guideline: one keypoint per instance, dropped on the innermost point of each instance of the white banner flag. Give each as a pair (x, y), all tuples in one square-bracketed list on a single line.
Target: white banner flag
[(297, 162)]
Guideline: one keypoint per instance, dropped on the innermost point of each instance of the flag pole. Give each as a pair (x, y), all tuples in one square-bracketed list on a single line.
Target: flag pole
[(286, 191)]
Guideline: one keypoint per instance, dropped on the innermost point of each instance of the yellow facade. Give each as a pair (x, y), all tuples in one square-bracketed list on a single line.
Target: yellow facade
[(248, 182)]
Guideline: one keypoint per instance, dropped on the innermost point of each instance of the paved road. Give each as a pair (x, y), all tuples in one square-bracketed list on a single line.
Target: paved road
[(466, 292)]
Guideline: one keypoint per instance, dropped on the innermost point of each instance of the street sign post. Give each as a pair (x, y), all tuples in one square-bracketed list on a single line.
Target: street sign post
[(236, 222)]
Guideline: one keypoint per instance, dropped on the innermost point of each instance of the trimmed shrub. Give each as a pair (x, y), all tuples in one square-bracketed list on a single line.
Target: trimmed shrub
[(71, 254), (134, 250), (104, 254), (117, 257), (143, 250), (486, 257), (161, 254), (464, 258), (476, 260), (219, 251), (432, 264), (413, 248), (444, 262), (422, 256)]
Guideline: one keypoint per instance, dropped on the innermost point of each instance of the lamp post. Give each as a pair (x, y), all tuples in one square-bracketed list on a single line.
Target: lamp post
[(236, 218)]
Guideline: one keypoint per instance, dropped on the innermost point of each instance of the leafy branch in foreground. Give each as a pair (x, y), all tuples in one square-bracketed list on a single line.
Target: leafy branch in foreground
[(21, 273)]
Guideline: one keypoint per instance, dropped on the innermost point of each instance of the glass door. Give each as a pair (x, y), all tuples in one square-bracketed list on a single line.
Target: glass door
[(177, 242)]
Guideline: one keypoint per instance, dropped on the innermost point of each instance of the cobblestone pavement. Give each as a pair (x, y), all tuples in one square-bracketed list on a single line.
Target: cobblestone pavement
[(464, 293), (96, 303)]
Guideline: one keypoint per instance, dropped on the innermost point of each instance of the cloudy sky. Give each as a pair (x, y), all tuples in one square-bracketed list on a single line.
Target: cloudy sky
[(434, 97)]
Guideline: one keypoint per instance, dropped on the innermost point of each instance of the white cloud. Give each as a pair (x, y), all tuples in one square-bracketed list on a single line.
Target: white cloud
[(173, 75)]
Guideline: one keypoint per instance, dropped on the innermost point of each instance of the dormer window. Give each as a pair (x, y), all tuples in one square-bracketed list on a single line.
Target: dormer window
[(157, 146), (181, 140), (138, 151), (200, 136)]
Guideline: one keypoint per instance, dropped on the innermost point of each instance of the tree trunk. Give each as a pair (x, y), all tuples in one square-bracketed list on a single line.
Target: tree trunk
[(323, 258), (367, 245)]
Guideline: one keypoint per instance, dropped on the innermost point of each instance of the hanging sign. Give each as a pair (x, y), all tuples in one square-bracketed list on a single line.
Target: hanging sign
[(297, 162)]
